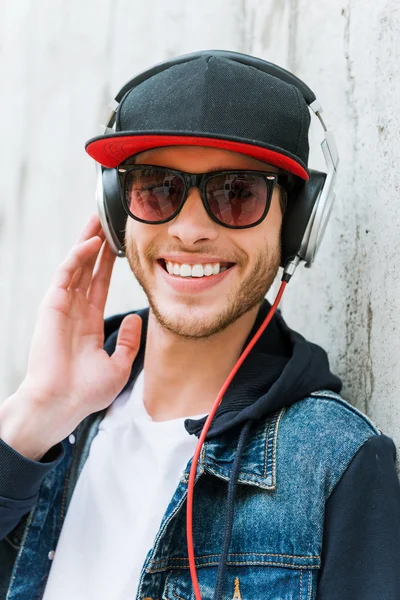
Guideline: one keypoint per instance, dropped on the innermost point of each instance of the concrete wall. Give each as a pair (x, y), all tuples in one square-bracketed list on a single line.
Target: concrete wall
[(62, 62)]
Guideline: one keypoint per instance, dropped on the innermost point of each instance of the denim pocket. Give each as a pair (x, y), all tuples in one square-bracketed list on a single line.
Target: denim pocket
[(244, 583)]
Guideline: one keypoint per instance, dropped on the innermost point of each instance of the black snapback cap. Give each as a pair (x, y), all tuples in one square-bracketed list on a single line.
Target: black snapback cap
[(216, 102)]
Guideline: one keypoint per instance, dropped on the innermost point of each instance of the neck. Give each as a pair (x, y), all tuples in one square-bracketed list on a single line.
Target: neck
[(189, 373)]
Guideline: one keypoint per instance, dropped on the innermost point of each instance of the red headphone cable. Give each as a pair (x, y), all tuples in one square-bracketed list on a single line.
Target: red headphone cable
[(193, 468)]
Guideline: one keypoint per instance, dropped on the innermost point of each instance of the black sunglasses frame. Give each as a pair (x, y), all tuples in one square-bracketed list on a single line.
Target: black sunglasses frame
[(200, 181)]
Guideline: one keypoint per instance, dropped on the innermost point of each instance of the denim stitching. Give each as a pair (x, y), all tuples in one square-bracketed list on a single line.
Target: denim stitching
[(275, 443), (301, 585), (252, 563), (271, 442), (156, 566), (270, 446), (243, 554), (266, 448), (309, 586), (242, 477), (174, 590), (167, 584)]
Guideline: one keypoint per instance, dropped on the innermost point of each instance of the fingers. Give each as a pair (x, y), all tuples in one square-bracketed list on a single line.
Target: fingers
[(90, 251), (75, 260), (92, 228), (100, 282), (85, 249), (83, 279)]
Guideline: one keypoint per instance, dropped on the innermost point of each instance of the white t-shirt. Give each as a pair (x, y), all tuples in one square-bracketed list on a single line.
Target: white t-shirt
[(132, 470)]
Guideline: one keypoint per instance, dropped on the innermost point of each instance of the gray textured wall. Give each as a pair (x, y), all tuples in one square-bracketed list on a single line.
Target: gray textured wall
[(60, 64)]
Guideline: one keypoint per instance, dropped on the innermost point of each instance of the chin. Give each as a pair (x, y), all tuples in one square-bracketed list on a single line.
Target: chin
[(195, 321)]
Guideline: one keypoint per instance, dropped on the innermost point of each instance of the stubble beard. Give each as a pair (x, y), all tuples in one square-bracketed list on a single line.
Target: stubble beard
[(251, 293)]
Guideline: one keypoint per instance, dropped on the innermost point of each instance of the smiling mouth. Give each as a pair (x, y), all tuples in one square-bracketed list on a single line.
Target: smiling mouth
[(194, 271)]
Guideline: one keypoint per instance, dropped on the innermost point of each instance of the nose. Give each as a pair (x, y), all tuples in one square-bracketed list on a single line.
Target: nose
[(193, 225)]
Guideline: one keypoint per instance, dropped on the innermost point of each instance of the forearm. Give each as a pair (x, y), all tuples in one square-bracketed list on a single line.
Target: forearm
[(25, 460), (23, 428)]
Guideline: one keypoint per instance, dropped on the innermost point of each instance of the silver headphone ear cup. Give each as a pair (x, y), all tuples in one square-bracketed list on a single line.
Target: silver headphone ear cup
[(298, 221), (320, 220), (111, 211)]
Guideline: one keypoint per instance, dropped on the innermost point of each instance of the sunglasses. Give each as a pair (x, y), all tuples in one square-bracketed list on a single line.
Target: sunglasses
[(233, 198)]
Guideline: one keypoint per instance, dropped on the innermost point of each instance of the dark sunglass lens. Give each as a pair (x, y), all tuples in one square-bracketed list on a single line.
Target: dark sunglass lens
[(237, 199), (153, 194)]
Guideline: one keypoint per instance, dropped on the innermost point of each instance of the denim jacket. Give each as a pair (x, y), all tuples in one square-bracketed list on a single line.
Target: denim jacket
[(279, 511), (291, 465)]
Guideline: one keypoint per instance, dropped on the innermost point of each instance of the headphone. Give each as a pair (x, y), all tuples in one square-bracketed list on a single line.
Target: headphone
[(309, 203)]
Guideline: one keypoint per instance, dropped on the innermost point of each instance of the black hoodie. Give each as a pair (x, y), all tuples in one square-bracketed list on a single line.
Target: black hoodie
[(361, 542)]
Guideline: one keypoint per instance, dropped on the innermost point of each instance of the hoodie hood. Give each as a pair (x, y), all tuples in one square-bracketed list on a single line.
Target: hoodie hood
[(282, 368)]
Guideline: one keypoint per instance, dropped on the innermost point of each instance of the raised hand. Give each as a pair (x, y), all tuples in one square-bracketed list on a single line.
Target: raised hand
[(69, 375)]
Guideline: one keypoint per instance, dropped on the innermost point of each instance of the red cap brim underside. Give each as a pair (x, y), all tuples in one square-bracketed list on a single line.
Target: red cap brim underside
[(112, 151)]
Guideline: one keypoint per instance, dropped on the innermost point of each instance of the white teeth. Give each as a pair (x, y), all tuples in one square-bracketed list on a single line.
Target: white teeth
[(197, 270), (185, 271)]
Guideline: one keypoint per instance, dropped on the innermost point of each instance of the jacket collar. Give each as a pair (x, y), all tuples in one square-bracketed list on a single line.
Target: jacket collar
[(258, 463)]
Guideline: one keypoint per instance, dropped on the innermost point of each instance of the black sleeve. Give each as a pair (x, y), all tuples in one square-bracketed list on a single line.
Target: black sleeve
[(361, 541), (20, 480)]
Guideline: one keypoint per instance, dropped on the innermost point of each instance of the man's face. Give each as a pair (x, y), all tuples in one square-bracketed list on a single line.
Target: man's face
[(194, 307)]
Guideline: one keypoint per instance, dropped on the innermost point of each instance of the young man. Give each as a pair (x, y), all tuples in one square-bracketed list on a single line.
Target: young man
[(296, 491)]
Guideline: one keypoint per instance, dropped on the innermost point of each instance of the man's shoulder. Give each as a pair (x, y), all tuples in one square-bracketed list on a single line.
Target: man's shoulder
[(328, 410), (324, 432)]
